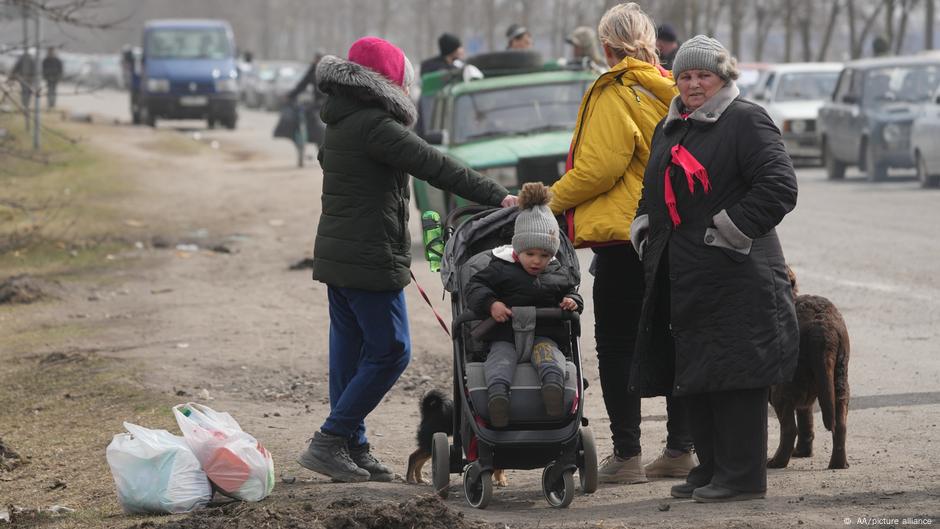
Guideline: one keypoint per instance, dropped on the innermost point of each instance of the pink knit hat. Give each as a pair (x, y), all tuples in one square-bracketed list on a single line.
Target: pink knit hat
[(380, 56)]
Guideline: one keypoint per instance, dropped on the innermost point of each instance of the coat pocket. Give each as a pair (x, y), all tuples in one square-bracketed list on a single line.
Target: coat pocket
[(714, 238)]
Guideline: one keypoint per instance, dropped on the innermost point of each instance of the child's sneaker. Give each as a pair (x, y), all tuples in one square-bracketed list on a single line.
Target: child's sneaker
[(498, 406), (553, 395)]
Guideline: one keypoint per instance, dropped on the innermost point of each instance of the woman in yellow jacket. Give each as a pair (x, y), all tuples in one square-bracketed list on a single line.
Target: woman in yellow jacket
[(598, 195)]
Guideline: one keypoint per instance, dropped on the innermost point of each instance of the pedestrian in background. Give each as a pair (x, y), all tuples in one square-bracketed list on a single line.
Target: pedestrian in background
[(583, 41), (598, 195), (718, 325), (667, 45), (52, 74), (363, 247), (451, 55), (24, 73), (518, 37)]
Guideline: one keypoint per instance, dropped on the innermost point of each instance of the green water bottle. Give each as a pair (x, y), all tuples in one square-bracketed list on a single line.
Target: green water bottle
[(433, 243)]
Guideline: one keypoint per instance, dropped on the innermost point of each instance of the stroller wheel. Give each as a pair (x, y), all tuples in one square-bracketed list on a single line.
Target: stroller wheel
[(560, 493), (587, 462), (478, 486), (440, 464)]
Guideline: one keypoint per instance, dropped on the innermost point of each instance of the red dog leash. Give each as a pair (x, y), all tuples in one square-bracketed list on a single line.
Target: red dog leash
[(428, 301)]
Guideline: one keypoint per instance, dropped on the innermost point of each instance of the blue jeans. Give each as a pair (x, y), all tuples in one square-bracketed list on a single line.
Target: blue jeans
[(370, 347)]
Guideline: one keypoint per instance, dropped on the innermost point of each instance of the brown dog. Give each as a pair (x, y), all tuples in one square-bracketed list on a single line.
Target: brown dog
[(821, 370), (437, 415)]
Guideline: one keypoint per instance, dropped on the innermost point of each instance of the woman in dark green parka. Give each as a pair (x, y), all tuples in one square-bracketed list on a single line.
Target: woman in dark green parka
[(362, 249)]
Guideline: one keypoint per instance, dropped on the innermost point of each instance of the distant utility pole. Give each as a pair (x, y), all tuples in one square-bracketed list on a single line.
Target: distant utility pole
[(37, 79), (23, 56)]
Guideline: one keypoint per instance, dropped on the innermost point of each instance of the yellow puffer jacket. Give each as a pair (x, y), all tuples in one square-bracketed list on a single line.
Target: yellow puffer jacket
[(611, 145)]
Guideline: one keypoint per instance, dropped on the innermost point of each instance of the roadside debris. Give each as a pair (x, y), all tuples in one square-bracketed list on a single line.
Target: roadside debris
[(25, 289), (305, 263), (9, 459)]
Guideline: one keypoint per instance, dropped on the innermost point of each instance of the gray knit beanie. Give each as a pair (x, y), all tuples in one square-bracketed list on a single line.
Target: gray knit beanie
[(536, 227), (703, 53)]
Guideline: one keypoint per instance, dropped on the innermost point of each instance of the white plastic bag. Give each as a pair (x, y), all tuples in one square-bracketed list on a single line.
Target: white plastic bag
[(156, 472), (234, 460)]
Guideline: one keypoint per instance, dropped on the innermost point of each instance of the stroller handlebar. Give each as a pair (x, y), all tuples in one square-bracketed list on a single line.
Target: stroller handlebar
[(545, 314), (455, 214)]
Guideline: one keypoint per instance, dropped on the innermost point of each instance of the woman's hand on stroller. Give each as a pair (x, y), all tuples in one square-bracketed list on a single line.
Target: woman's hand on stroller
[(509, 202), (500, 312), (568, 304)]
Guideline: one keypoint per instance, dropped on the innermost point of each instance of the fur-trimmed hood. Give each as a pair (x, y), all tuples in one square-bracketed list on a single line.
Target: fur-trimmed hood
[(336, 76)]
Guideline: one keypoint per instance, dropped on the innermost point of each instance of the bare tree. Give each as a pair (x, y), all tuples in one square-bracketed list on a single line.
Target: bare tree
[(906, 7), (857, 38), (929, 18), (805, 19), (830, 27), (766, 14), (736, 14)]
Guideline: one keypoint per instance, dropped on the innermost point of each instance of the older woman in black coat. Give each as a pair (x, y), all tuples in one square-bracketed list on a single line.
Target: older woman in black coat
[(718, 323)]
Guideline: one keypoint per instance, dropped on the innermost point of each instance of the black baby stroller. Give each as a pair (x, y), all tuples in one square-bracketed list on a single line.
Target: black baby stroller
[(532, 439)]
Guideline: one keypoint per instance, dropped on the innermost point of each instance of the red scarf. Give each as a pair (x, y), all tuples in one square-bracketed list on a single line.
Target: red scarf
[(693, 171)]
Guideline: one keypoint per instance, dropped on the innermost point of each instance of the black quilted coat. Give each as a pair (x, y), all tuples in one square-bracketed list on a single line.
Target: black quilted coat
[(733, 323)]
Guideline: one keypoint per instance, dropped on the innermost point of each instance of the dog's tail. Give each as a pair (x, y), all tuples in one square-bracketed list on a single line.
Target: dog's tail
[(824, 347), (432, 402)]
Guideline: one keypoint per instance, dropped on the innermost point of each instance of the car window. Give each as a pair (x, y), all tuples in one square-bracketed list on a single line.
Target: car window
[(845, 84), (196, 43), (908, 84), (806, 86), (517, 110)]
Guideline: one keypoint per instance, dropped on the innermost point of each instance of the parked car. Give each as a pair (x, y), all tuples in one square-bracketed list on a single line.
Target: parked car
[(750, 75), (513, 126), (257, 83), (285, 79), (925, 142), (868, 120), (792, 94), (188, 71)]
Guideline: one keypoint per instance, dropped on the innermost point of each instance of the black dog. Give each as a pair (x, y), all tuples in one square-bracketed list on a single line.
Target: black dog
[(437, 415)]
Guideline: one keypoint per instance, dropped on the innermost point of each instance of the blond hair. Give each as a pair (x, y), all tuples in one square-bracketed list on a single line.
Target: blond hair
[(629, 32)]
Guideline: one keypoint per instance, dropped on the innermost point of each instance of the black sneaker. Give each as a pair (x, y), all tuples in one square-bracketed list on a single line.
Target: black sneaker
[(362, 456), (328, 455)]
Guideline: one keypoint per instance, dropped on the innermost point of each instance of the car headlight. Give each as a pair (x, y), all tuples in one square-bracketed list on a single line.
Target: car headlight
[(891, 133), (226, 85), (158, 85), (798, 126), (505, 176)]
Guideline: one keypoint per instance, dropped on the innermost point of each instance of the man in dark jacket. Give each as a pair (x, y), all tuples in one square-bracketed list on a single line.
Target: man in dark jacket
[(24, 72), (718, 323), (52, 74), (667, 44), (312, 112), (451, 55), (362, 249)]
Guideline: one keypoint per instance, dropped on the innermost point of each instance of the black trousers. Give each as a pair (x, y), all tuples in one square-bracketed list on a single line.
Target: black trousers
[(730, 433), (618, 300)]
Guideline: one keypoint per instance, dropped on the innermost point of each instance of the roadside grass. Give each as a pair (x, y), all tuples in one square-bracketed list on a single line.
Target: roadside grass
[(60, 411), (58, 209)]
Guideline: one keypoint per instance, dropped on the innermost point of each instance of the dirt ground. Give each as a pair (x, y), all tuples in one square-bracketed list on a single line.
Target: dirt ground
[(159, 324)]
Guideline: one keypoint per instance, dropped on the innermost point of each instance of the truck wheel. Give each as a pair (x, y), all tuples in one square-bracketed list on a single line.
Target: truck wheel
[(229, 122), (210, 122)]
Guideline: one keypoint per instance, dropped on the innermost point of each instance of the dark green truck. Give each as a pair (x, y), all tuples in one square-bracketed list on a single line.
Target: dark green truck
[(512, 126)]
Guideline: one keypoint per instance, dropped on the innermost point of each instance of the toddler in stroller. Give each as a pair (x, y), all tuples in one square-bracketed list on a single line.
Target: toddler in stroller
[(543, 425), (524, 274)]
